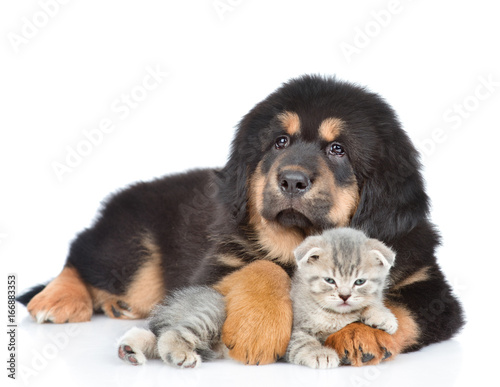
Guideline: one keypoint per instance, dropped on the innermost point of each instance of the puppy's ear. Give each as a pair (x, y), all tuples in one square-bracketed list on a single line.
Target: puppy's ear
[(381, 254), (246, 150), (393, 200), (310, 250), (232, 183)]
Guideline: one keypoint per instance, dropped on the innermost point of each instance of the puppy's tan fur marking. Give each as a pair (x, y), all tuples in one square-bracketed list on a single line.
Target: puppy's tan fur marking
[(257, 300), (146, 290), (279, 242), (230, 260), (345, 199), (65, 299), (419, 276), (408, 331), (330, 128), (290, 122)]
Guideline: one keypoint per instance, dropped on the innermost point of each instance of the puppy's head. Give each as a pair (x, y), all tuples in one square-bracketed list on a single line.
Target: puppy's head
[(319, 153), (304, 179)]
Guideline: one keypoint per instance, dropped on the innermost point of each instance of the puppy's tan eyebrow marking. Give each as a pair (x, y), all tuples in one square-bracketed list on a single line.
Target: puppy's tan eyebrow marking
[(330, 128), (290, 122)]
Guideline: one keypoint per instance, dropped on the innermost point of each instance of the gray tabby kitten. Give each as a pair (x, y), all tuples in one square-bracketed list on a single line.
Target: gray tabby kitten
[(183, 330), (340, 279)]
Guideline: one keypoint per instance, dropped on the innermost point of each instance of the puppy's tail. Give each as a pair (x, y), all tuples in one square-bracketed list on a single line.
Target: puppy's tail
[(26, 297)]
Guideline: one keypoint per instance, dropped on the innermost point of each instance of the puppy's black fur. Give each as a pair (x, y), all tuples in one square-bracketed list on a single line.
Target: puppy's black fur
[(288, 174)]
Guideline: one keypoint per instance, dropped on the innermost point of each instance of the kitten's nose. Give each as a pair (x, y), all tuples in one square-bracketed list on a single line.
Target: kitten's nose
[(344, 297)]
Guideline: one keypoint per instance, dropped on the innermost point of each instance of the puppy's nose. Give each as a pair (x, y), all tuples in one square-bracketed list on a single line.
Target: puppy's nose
[(293, 182)]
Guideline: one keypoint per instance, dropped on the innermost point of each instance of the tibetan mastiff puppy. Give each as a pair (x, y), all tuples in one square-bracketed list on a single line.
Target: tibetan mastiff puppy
[(315, 154)]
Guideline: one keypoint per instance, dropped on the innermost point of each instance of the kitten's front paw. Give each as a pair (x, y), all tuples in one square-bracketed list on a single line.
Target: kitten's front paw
[(318, 358), (390, 325), (385, 321)]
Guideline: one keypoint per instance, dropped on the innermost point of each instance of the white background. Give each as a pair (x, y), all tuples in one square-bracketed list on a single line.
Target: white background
[(65, 69)]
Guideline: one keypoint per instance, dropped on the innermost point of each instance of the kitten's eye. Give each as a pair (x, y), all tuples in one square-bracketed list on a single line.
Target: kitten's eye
[(359, 282), (335, 149), (331, 281), (281, 142)]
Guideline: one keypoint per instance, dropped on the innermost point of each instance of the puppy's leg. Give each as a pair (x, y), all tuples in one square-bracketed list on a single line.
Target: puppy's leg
[(65, 299), (137, 345), (358, 344), (145, 290), (259, 313)]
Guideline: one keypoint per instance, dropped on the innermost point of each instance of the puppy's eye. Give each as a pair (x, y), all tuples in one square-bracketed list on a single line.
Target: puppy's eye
[(281, 142), (331, 281), (359, 282), (336, 149)]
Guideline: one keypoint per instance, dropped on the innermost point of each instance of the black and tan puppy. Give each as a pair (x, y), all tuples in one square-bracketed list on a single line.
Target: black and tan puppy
[(317, 153)]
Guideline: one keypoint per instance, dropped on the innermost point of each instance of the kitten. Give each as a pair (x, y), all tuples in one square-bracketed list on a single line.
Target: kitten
[(340, 279), (183, 330)]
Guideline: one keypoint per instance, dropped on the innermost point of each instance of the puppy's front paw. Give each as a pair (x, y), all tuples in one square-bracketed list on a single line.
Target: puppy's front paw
[(254, 337), (65, 299), (259, 313), (359, 344)]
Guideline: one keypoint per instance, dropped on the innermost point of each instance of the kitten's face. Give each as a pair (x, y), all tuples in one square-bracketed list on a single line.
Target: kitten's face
[(344, 270), (343, 293)]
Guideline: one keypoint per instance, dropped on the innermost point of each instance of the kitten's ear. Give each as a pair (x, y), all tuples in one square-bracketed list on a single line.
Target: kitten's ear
[(310, 256), (309, 250), (382, 254)]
